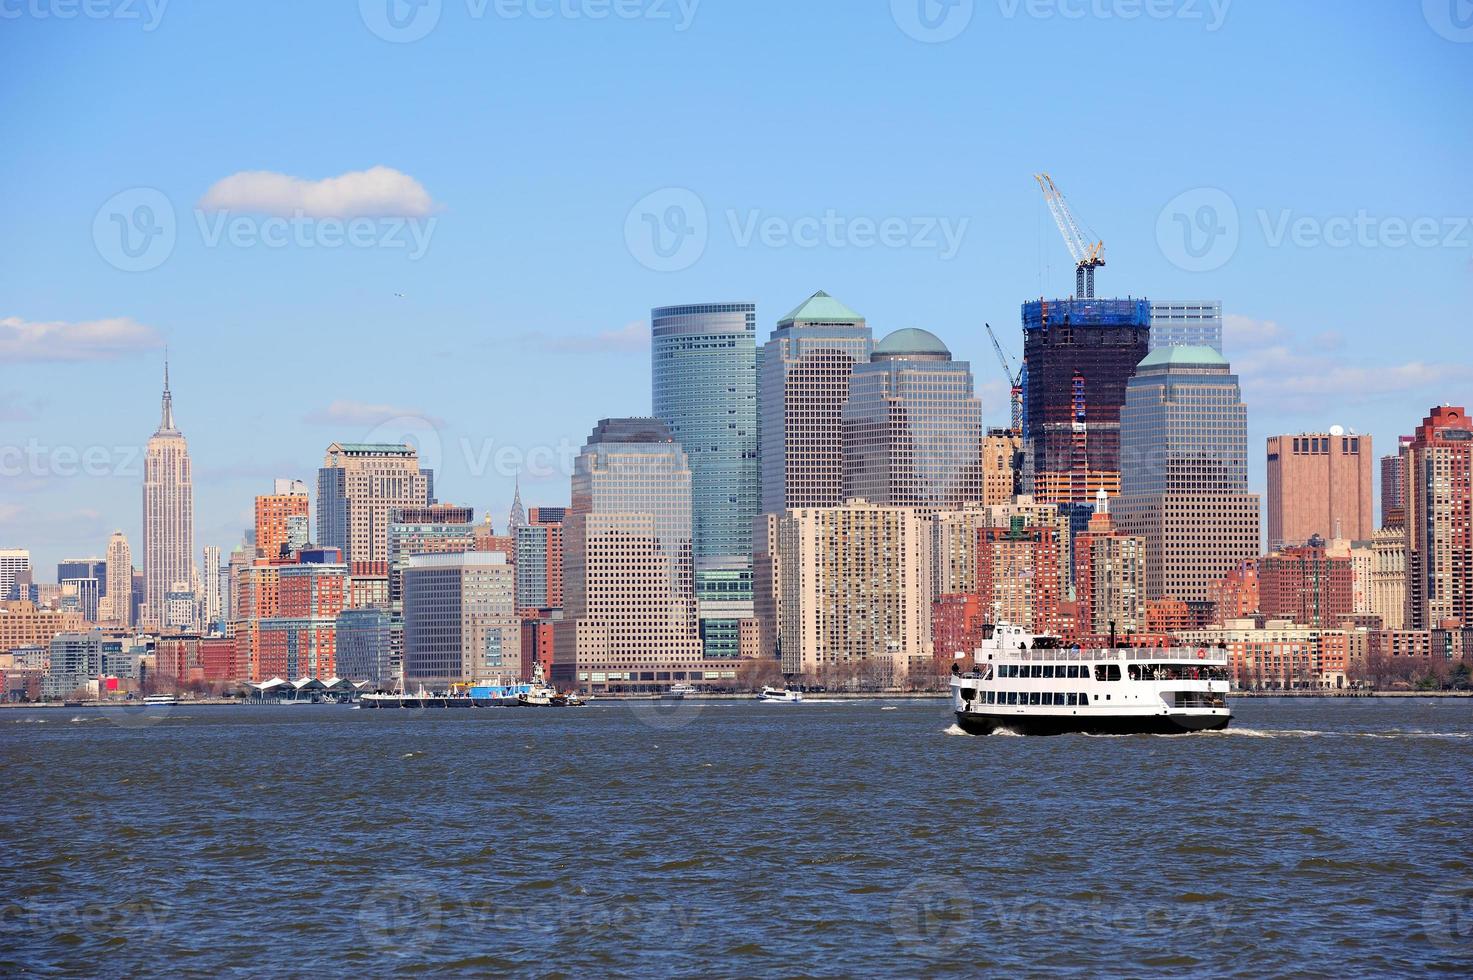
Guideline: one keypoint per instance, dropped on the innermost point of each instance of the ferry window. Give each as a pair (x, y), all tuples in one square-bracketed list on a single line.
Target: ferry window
[(1033, 698), (1099, 672), (1012, 697), (1114, 672), (1035, 671), (1083, 699), (1048, 670), (1107, 672), (1059, 699), (1073, 700), (1073, 670)]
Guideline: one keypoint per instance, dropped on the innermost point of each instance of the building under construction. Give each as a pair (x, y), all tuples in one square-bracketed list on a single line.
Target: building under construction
[(1078, 355)]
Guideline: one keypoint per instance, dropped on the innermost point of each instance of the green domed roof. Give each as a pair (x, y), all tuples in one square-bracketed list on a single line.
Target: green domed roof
[(911, 341)]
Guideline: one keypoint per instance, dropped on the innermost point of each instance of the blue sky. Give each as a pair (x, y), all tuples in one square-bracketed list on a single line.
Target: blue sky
[(1323, 134)]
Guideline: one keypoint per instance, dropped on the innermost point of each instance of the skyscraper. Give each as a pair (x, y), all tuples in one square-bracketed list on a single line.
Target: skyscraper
[(168, 512), (436, 529), (274, 513), (358, 488), (704, 387), (1184, 452), (214, 599), (1440, 520), (120, 578), (1187, 324), (539, 550), (1109, 576), (1319, 484), (913, 427), (79, 568), (802, 386), (1394, 485), (460, 621), (1079, 354), (629, 575), (12, 560)]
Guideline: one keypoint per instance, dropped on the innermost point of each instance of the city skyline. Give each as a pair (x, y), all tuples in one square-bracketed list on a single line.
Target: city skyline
[(1312, 352)]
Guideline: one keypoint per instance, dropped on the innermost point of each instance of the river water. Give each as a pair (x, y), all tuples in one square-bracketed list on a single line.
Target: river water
[(734, 839)]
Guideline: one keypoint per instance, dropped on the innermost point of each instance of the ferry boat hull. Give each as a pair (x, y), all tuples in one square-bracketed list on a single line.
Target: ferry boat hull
[(974, 723)]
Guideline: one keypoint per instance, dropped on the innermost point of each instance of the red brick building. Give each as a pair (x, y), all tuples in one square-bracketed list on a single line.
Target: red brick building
[(1439, 495), (1307, 586), (1018, 575), (956, 627)]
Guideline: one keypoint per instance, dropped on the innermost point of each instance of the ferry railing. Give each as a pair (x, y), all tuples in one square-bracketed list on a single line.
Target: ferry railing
[(1062, 655)]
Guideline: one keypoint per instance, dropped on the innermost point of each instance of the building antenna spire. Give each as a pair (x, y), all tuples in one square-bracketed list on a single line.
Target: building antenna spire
[(166, 415)]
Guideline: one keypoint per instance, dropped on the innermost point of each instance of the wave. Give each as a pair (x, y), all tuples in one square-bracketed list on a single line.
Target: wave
[(955, 729)]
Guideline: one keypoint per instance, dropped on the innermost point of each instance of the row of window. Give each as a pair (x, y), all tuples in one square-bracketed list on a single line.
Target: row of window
[(1102, 672), (1035, 698)]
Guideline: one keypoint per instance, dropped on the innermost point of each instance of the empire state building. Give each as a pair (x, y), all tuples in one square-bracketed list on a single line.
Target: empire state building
[(168, 512)]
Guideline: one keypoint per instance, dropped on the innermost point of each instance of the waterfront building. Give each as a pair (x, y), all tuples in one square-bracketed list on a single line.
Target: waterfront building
[(1109, 577), (217, 660), (177, 660), (1187, 324), (460, 620), (1307, 585), (1079, 355), (802, 387), (704, 387), (955, 537), (1278, 655), (1388, 582), (168, 512), (426, 530), (856, 592), (912, 426), (1002, 465), (1319, 485), (1236, 595), (76, 659), (358, 488), (12, 561), (363, 645), (300, 640), (1018, 574), (1184, 439), (629, 578), (957, 627), (1440, 520)]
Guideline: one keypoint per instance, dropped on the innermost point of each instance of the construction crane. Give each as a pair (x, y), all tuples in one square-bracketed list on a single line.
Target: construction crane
[(1087, 257), (1015, 380)]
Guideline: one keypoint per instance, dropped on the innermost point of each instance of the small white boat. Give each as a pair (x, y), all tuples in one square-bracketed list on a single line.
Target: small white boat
[(779, 695), (160, 700), (678, 692)]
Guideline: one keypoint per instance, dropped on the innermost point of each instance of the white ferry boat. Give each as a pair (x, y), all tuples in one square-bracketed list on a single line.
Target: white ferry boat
[(160, 701), (1030, 685), (677, 692), (780, 695)]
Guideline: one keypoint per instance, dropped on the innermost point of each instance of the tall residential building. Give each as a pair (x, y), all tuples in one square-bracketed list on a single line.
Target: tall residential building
[(358, 488), (1440, 520), (1394, 485), (955, 535), (430, 530), (1079, 354), (78, 568), (629, 574), (363, 640), (1319, 485), (704, 387), (214, 597), (856, 595), (1388, 587), (1002, 465), (1184, 446), (12, 560), (1019, 573), (1186, 324), (913, 426), (300, 640), (120, 578), (460, 619), (1109, 576), (803, 383), (278, 515), (168, 512), (539, 552)]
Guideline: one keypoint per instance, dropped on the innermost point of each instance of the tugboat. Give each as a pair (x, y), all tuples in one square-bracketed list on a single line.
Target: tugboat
[(538, 694), (1030, 685)]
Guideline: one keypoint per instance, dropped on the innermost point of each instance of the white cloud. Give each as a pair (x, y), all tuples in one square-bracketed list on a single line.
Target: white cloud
[(87, 340), (346, 412), (1281, 371), (633, 337), (377, 192)]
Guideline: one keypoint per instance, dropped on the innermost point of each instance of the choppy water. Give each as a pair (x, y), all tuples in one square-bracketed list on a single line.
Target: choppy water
[(734, 839)]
